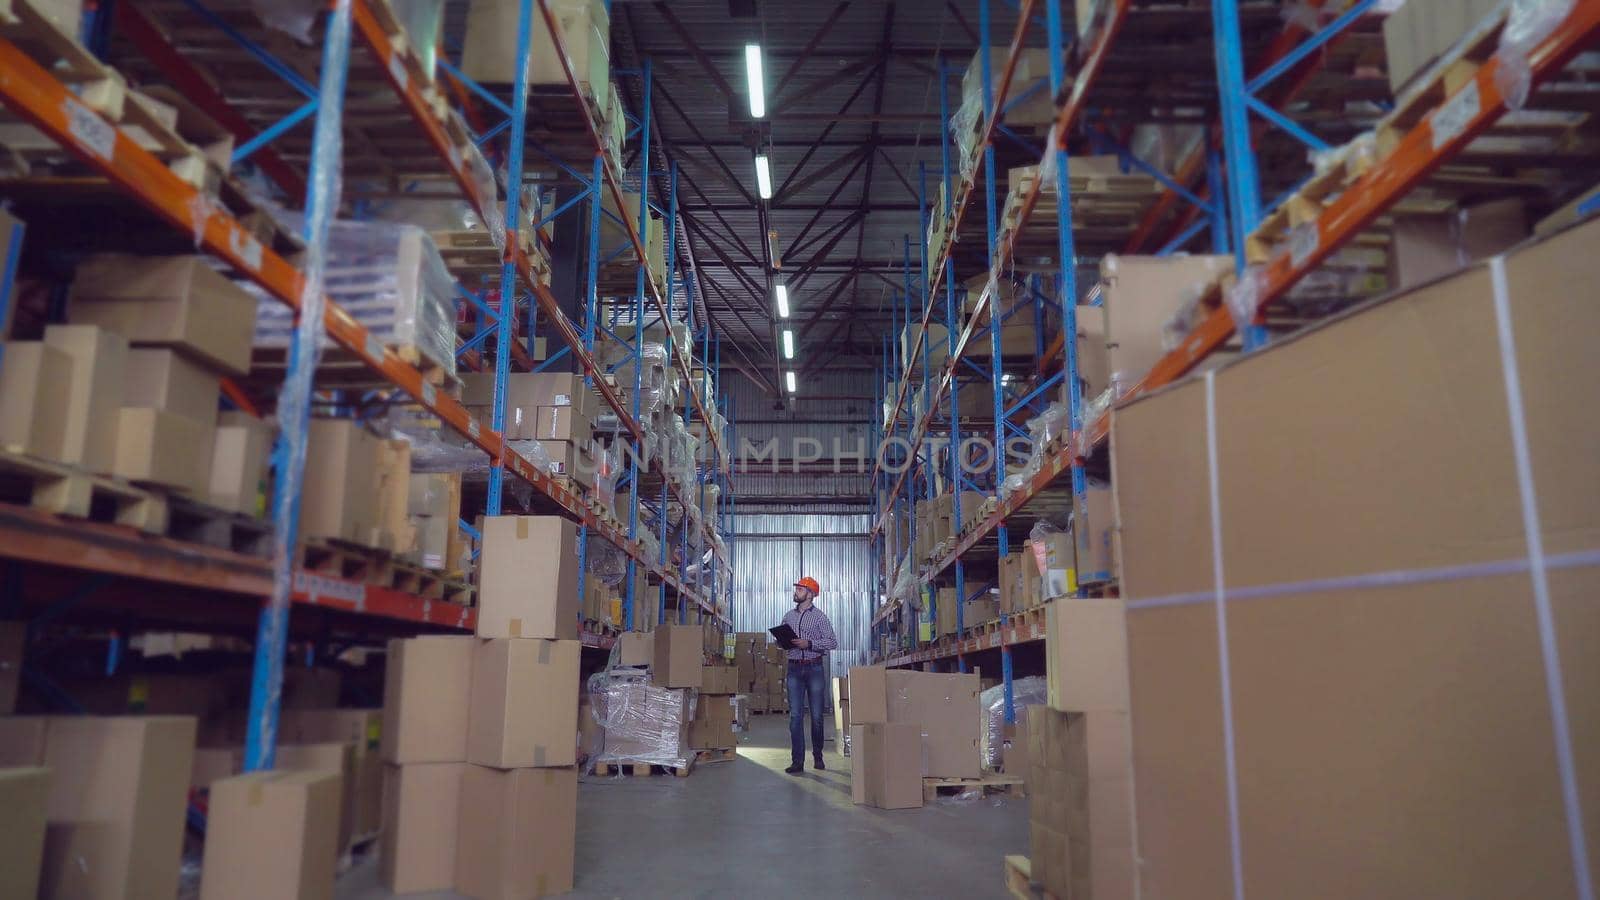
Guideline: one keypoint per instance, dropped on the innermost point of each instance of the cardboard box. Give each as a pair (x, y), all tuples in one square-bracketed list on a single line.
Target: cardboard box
[(167, 301), (636, 648), (719, 680), (1141, 295), (13, 640), (1086, 655), (339, 497), (35, 403), (1426, 247), (528, 577), (311, 687), (363, 730), (1081, 807), (337, 757), (161, 379), (1054, 557), (525, 393), (884, 770), (524, 703), (417, 847), (1416, 34), (676, 658), (1094, 368), (944, 706), (517, 832), (712, 725), (166, 449), (298, 811), (1094, 528), (562, 423), (212, 764), (118, 791), (426, 684), (98, 357), (1579, 208), (22, 740), (24, 798), (433, 540), (1383, 691), (239, 454), (490, 46)]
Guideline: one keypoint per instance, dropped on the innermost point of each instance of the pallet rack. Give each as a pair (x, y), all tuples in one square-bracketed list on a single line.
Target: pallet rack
[(1436, 125), (36, 94)]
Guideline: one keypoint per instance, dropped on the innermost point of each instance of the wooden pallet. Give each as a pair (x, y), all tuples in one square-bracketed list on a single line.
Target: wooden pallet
[(69, 491), (414, 579), (640, 769), (460, 592), (1019, 880), (343, 559), (932, 788), (339, 367), (722, 754), (99, 87), (200, 523)]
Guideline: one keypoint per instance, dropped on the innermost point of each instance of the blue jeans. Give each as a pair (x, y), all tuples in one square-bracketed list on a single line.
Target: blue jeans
[(805, 689)]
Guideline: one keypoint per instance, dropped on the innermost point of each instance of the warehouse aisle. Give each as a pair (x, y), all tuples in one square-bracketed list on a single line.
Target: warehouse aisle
[(744, 829)]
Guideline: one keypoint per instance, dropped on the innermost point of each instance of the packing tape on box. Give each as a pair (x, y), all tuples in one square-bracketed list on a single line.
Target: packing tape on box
[(522, 528), (515, 628), (538, 756)]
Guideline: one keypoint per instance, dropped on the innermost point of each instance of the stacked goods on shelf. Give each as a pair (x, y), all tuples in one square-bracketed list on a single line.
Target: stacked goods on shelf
[(1019, 330), (584, 27), (712, 726), (549, 417), (391, 279), (980, 609), (1080, 764), (1028, 105), (612, 235), (357, 487), (1004, 743), (944, 708), (115, 806), (488, 727), (749, 657), (1380, 584), (1426, 246), (601, 602), (1019, 580), (433, 509), (1417, 34), (774, 684)]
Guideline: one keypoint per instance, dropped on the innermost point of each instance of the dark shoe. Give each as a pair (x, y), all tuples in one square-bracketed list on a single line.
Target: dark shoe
[(816, 763), (795, 769)]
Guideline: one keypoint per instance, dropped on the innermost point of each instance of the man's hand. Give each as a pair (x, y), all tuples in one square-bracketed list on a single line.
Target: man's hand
[(801, 644)]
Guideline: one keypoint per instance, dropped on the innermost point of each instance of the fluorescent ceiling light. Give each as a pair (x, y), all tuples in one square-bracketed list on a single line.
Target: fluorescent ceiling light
[(789, 379), (782, 291), (763, 177), (758, 89), (788, 344)]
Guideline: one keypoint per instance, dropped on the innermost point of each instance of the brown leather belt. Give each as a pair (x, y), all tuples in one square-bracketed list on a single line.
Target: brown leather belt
[(805, 662)]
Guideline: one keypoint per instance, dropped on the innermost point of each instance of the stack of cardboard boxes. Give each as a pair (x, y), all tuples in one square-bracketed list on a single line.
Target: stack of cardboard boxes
[(1080, 764), (103, 798), (433, 507), (771, 690), (907, 725), (357, 488), (937, 522), (712, 727), (602, 603), (129, 386), (980, 609), (487, 726), (490, 49), (553, 409)]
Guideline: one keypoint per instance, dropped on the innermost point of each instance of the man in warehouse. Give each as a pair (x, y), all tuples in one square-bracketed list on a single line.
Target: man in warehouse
[(805, 675)]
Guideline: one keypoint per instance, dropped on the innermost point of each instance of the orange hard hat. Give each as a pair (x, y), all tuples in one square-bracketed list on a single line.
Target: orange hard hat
[(809, 584)]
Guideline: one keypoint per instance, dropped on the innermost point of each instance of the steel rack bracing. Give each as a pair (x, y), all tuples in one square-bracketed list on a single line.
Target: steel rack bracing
[(1438, 136), (34, 93)]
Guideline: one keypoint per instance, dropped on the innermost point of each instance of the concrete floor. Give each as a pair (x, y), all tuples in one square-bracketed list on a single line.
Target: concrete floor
[(745, 829)]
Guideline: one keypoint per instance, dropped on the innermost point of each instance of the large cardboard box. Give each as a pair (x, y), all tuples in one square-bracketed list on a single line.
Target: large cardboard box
[(884, 769), (1086, 654), (524, 709), (417, 847), (1080, 817), (517, 832), (272, 834), (719, 680), (161, 379), (636, 648), (1094, 369), (712, 725), (337, 757), (163, 448), (748, 646), (24, 797), (1054, 557), (562, 423), (1425, 247), (339, 495), (240, 449), (1417, 33), (944, 706), (676, 659), (1423, 707), (434, 495), (426, 684), (1094, 529), (363, 730), (525, 393), (489, 52), (1141, 295), (167, 301), (392, 465), (98, 357), (118, 791), (35, 399), (528, 577)]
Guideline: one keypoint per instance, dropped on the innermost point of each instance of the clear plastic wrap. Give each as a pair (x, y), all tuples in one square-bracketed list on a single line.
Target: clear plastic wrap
[(423, 20), (1025, 692), (643, 723), (1093, 408), (605, 562), (494, 217), (652, 378), (1358, 153), (296, 18), (390, 278), (434, 448), (1244, 297), (1527, 25), (608, 468)]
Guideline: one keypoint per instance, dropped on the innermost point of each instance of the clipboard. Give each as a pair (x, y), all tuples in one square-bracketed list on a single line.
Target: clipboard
[(785, 635)]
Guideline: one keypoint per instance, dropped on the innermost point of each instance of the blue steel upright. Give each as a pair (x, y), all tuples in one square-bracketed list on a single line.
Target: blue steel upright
[(1243, 183), (322, 203)]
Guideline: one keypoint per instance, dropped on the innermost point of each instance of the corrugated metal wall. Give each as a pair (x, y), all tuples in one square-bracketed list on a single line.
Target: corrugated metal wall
[(774, 550)]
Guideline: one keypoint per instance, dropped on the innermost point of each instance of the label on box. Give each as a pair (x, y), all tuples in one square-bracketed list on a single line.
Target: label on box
[(1455, 115), (90, 131), (246, 247), (374, 347)]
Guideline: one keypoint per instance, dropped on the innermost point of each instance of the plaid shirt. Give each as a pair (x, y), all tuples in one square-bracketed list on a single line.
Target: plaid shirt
[(813, 625)]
